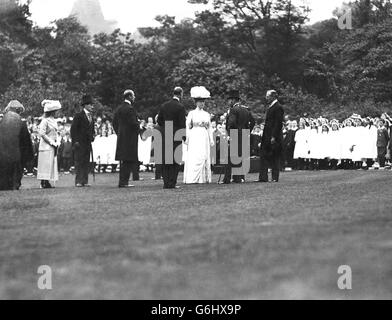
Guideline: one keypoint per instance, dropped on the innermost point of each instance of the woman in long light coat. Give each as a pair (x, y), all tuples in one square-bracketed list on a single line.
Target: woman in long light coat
[(49, 144), (199, 140)]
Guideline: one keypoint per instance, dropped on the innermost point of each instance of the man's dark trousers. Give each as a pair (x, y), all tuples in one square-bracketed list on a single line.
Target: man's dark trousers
[(229, 168), (170, 175), (126, 167), (82, 163), (158, 172), (269, 160)]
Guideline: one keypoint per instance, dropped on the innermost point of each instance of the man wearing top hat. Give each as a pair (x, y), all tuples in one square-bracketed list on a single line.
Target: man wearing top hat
[(271, 142), (239, 118), (82, 135), (127, 127)]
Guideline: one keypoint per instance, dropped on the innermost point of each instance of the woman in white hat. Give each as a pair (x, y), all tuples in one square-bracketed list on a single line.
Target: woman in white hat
[(49, 144), (199, 140)]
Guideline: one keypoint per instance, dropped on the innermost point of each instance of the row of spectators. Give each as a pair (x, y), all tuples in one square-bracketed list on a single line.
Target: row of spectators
[(310, 143)]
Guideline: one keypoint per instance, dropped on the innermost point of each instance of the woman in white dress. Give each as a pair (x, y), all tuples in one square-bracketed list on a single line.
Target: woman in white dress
[(301, 145), (49, 144), (313, 145), (145, 144), (199, 140), (335, 144), (348, 144)]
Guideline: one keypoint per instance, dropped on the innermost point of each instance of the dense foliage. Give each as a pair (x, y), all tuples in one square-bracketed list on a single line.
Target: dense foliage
[(252, 45)]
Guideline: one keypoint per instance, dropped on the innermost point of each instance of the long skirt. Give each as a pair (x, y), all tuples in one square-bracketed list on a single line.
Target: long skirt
[(198, 162), (47, 166)]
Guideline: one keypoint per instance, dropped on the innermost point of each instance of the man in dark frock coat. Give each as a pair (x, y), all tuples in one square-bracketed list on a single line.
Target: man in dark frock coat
[(16, 148), (271, 142), (171, 114), (127, 127), (239, 118), (82, 135)]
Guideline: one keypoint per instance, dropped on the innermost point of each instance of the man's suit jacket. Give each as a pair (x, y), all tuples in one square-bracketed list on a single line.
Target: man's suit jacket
[(127, 127), (15, 140), (240, 118), (273, 129), (15, 150), (82, 135), (174, 112)]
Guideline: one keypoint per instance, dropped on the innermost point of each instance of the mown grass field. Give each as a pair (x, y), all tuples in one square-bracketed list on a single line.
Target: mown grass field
[(249, 241)]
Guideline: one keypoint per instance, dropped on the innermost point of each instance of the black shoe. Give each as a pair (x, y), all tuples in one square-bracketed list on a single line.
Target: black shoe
[(46, 185), (126, 186), (261, 181)]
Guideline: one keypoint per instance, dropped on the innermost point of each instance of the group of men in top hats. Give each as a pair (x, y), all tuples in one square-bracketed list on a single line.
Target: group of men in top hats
[(240, 118), (13, 132), (127, 127)]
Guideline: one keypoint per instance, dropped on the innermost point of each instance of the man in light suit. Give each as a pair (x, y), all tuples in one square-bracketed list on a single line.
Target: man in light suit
[(271, 142)]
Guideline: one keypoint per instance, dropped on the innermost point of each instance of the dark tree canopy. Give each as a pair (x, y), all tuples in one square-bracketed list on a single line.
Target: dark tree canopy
[(252, 45)]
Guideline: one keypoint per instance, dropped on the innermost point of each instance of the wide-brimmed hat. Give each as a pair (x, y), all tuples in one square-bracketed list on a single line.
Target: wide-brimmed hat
[(87, 99), (15, 105), (51, 105), (200, 93)]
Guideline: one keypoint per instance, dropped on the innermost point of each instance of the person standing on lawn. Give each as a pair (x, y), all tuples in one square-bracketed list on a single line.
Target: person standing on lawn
[(82, 136), (16, 148), (382, 143), (239, 118), (127, 127), (171, 116), (49, 145), (271, 142)]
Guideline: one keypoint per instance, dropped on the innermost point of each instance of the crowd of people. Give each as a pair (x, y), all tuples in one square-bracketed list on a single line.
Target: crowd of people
[(104, 146), (354, 143), (304, 144)]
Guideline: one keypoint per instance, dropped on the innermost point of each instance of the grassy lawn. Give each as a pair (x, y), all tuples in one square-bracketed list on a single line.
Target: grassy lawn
[(249, 241)]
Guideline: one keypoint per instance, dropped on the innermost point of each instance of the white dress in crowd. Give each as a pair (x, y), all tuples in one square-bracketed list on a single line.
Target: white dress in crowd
[(313, 144), (334, 144), (369, 142), (197, 153), (323, 145), (104, 150), (348, 140), (301, 144), (337, 144), (144, 150), (47, 157)]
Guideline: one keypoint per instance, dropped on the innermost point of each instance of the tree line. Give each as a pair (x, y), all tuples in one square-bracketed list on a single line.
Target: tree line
[(251, 45)]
